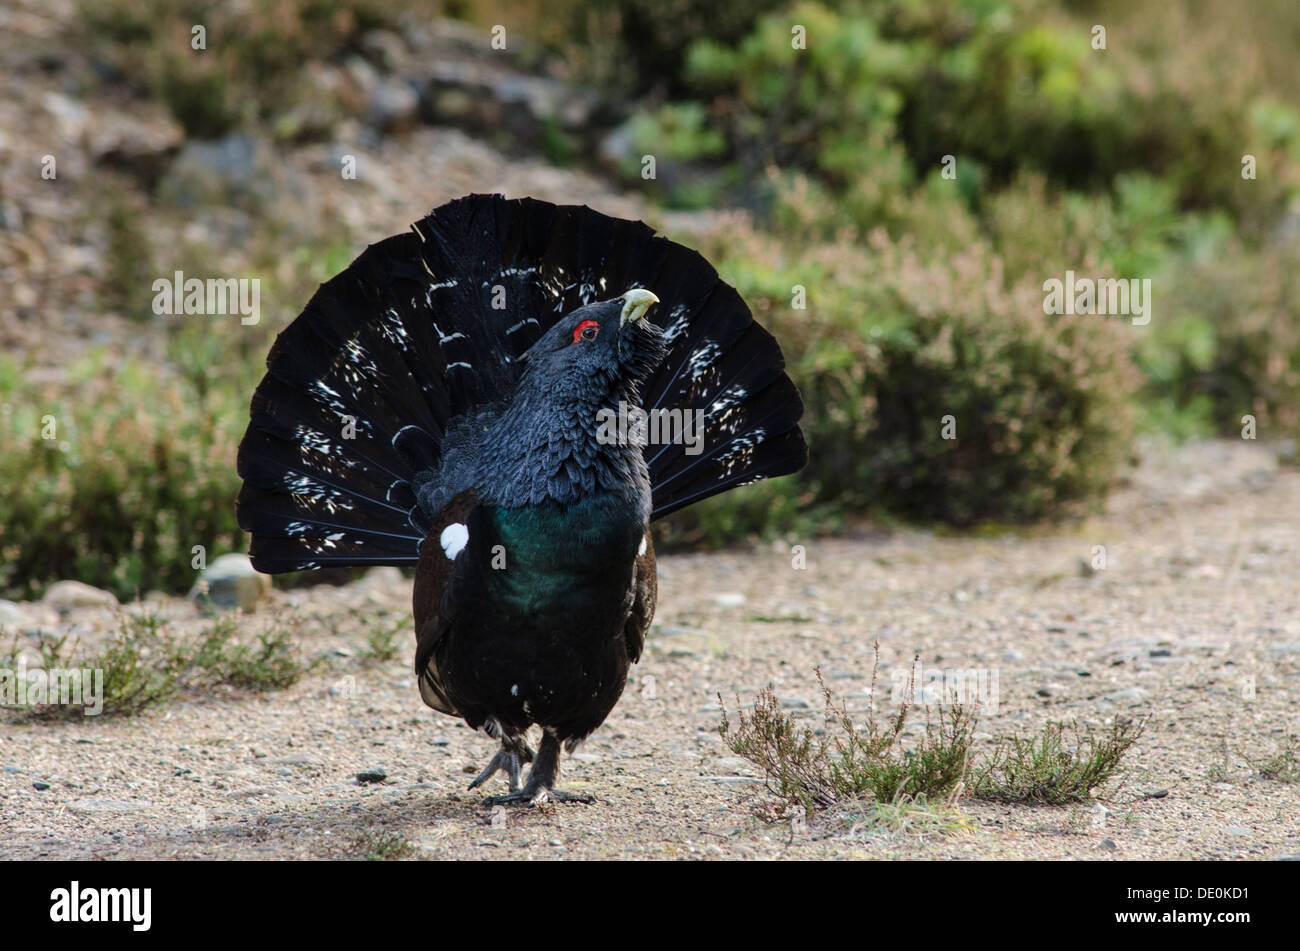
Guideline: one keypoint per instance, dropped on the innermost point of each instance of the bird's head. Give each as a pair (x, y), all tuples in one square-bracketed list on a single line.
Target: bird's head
[(601, 350)]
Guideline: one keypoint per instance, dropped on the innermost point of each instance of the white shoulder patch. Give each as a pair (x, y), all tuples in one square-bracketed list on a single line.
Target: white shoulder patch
[(641, 551), (453, 539)]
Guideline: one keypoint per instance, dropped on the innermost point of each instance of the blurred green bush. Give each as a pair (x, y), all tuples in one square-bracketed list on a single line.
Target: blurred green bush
[(138, 470)]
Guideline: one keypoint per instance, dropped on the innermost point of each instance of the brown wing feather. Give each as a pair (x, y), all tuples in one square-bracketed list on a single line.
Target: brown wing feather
[(431, 577), (645, 581)]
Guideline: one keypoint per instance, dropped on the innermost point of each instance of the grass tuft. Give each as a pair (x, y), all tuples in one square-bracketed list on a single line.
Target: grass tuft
[(381, 846), (382, 644), (849, 763), (144, 665), (1049, 768), (1283, 766)]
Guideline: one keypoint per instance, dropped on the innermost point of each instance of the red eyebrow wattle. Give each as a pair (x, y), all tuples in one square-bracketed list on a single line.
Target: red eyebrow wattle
[(577, 331)]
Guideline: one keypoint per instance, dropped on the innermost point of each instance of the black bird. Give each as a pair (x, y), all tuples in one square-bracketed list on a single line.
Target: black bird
[(451, 401)]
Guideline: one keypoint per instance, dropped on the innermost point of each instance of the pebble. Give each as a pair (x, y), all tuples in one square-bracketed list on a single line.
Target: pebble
[(106, 807), (297, 759), (40, 785), (1107, 845), (734, 764), (728, 599), (732, 780), (1157, 792), (376, 774), (251, 793), (1237, 830), (1132, 695)]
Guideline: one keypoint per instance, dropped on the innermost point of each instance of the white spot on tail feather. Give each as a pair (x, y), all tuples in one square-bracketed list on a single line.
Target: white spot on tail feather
[(641, 551), (453, 539)]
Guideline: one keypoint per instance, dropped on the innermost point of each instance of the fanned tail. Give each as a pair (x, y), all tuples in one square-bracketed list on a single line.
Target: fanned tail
[(423, 327)]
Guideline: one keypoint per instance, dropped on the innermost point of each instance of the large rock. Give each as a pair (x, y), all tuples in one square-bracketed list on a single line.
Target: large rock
[(232, 582), (27, 617), (11, 615), (142, 142), (238, 172), (392, 106), (63, 596)]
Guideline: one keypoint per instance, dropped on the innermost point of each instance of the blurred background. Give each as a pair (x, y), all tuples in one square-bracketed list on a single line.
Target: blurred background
[(1172, 154)]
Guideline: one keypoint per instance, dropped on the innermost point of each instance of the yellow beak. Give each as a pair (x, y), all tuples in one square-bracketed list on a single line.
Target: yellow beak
[(635, 303)]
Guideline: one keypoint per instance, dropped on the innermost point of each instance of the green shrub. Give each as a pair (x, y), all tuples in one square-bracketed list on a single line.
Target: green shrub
[(829, 108), (139, 469), (251, 67), (890, 344), (885, 89), (1228, 344), (145, 664)]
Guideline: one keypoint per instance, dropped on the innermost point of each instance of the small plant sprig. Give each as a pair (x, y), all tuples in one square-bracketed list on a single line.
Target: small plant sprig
[(145, 665), (847, 762)]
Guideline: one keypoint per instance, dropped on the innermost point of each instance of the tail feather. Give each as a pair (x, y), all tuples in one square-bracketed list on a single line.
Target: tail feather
[(426, 326)]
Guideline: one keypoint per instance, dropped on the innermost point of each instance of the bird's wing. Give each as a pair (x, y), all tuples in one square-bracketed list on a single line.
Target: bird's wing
[(435, 600), (645, 592)]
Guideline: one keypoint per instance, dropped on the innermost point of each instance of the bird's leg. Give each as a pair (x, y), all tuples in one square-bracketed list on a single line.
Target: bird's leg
[(541, 778), (513, 754)]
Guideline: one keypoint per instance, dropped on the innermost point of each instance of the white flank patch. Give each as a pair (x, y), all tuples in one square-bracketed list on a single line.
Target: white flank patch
[(453, 539), (641, 551)]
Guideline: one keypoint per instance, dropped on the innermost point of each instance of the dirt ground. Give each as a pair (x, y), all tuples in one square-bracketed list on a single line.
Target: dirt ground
[(1193, 622)]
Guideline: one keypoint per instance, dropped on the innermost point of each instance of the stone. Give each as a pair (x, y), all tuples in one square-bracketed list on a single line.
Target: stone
[(142, 142), (105, 807), (231, 582), (392, 106), (65, 596), (12, 615), (1133, 695)]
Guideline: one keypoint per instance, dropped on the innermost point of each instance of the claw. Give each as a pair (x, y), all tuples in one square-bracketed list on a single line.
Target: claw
[(541, 779), (538, 797), (513, 754)]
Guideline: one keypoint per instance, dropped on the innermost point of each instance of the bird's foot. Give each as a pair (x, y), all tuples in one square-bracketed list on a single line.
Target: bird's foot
[(541, 779), (510, 759), (524, 797)]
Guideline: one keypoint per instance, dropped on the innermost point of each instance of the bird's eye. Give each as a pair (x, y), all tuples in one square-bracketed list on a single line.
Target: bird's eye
[(586, 330)]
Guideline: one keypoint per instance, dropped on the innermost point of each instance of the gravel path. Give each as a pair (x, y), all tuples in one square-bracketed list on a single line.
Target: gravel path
[(1193, 622)]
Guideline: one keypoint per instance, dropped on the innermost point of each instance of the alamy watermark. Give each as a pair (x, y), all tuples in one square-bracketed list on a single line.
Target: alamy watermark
[(62, 686), (181, 296), (1105, 297), (633, 426), (947, 686)]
